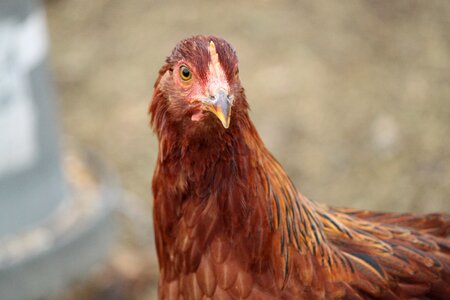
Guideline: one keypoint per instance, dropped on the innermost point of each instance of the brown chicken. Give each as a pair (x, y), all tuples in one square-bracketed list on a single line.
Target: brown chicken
[(230, 224)]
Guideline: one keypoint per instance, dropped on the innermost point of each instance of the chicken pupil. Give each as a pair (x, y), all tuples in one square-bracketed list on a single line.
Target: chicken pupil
[(185, 71)]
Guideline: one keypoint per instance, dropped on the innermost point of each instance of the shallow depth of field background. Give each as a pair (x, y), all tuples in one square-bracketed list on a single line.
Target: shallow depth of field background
[(352, 97)]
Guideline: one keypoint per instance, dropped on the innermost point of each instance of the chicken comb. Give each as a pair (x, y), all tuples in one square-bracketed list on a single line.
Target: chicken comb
[(213, 54), (217, 79)]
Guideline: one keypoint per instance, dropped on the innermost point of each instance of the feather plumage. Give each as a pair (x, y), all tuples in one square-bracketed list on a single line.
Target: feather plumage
[(230, 224)]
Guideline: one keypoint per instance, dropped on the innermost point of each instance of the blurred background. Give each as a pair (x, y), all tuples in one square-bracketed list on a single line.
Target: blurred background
[(352, 97)]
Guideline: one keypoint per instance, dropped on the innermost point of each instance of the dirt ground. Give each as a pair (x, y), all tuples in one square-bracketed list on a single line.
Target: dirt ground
[(352, 97)]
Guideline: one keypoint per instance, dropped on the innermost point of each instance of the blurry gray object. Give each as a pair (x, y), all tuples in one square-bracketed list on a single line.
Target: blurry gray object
[(34, 194), (31, 181)]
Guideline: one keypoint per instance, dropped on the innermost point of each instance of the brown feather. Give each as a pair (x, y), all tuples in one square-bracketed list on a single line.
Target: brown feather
[(230, 224)]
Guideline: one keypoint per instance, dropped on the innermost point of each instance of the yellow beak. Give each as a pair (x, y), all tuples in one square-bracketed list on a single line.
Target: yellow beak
[(220, 105)]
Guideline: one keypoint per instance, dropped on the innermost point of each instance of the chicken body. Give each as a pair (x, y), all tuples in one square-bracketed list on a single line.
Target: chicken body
[(230, 224)]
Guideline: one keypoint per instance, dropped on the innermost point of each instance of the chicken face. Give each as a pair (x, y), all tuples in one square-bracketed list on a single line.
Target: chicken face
[(199, 80)]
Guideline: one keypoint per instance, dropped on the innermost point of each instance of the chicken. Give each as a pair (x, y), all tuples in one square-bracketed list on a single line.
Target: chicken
[(230, 224)]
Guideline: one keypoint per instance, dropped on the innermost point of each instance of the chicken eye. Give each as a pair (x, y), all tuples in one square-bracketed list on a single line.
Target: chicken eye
[(185, 73)]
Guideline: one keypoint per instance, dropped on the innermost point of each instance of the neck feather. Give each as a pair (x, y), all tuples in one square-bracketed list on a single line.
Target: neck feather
[(228, 184)]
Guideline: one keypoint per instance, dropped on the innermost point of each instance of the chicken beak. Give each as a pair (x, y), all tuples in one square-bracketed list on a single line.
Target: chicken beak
[(220, 105)]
